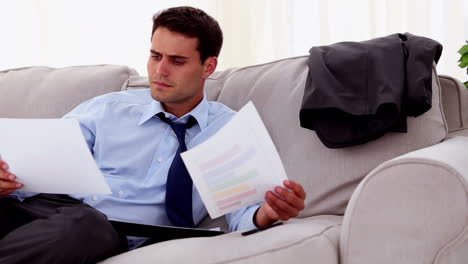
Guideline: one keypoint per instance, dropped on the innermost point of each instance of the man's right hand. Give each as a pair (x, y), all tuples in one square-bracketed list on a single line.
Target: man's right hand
[(7, 180)]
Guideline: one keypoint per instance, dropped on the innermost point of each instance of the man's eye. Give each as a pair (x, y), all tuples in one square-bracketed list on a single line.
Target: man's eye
[(179, 62), (156, 57)]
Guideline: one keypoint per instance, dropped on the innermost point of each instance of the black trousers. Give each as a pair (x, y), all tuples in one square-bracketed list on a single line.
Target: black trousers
[(51, 229)]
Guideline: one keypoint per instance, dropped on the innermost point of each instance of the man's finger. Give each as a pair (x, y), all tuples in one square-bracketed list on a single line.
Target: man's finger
[(3, 165), (296, 187), (6, 192), (7, 176), (10, 185), (281, 206), (290, 197), (276, 213)]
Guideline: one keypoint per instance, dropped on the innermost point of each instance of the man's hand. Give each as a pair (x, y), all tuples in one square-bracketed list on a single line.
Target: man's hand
[(282, 204), (7, 180)]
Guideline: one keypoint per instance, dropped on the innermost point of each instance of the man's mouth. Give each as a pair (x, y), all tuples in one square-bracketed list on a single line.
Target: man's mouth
[(163, 84)]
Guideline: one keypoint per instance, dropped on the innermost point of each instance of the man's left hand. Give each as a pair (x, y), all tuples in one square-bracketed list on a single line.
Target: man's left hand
[(282, 204)]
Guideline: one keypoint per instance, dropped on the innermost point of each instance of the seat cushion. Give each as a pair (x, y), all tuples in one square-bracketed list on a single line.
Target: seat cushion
[(43, 92), (315, 239)]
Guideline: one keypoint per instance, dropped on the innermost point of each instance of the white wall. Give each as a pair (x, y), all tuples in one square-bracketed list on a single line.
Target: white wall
[(61, 33), (465, 7)]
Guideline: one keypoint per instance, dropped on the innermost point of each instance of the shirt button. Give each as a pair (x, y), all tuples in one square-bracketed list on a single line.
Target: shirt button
[(167, 115), (121, 193), (95, 198), (160, 159)]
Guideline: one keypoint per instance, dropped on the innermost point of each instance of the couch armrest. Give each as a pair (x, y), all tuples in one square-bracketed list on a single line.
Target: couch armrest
[(454, 102), (412, 209)]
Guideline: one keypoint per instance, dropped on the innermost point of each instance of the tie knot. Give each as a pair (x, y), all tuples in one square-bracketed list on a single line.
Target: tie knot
[(179, 129)]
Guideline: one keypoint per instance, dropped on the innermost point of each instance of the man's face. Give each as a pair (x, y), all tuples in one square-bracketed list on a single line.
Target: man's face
[(175, 71)]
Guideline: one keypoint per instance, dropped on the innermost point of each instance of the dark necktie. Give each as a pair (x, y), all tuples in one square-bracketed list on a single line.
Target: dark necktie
[(179, 183)]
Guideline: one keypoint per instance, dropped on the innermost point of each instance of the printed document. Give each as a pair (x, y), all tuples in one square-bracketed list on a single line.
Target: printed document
[(237, 165), (50, 156)]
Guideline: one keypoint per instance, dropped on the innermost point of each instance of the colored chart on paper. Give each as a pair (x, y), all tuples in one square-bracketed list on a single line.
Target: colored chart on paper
[(236, 166), (228, 184)]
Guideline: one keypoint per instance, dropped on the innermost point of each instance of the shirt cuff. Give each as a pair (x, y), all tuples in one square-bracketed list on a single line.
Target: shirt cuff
[(248, 223), (21, 195), (255, 217)]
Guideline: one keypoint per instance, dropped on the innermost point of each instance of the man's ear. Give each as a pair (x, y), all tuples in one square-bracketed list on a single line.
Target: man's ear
[(209, 66)]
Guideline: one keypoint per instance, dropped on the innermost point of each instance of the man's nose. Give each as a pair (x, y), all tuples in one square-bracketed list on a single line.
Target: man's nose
[(162, 67)]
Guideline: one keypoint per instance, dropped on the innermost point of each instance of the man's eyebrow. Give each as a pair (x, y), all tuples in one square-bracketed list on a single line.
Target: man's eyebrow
[(171, 56)]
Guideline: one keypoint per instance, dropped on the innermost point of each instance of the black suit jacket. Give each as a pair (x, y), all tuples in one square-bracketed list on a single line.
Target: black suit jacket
[(357, 91)]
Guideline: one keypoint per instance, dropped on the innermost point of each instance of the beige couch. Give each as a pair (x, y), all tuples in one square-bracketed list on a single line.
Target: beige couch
[(400, 199)]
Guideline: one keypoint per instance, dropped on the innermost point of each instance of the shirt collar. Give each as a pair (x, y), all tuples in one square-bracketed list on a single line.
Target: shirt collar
[(200, 113)]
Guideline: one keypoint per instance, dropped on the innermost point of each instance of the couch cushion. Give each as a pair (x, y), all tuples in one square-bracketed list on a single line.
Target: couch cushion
[(328, 175), (43, 92), (315, 239)]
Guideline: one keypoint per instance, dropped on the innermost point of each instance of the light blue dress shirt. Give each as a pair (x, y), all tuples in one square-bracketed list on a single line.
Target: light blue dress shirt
[(134, 150)]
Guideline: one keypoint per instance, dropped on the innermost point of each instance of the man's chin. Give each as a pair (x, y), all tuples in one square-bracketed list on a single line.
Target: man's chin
[(162, 98), (156, 95), (157, 98)]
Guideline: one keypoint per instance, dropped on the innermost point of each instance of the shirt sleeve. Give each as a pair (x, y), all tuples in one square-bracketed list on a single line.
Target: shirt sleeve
[(242, 219), (87, 114)]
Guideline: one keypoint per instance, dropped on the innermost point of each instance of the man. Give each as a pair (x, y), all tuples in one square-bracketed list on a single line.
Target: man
[(133, 140)]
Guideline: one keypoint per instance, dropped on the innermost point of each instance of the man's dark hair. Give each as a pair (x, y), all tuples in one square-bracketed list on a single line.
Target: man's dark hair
[(192, 22)]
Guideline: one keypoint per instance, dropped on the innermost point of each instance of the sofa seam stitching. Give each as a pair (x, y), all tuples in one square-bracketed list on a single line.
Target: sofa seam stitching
[(329, 240)]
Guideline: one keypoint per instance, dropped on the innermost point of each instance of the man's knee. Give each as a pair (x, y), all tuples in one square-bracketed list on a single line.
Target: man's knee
[(10, 218), (6, 204), (85, 231)]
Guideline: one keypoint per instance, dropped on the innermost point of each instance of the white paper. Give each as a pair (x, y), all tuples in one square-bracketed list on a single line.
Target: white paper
[(50, 156), (236, 166)]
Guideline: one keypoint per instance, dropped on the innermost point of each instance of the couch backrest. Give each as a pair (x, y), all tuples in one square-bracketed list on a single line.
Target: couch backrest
[(328, 175), (43, 92)]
